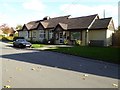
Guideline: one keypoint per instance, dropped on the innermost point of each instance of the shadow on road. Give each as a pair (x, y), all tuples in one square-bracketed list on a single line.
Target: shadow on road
[(68, 62)]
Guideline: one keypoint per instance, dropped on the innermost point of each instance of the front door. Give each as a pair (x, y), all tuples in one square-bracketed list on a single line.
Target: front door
[(61, 41)]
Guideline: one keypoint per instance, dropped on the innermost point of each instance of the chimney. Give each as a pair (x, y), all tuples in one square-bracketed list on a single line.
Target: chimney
[(46, 18)]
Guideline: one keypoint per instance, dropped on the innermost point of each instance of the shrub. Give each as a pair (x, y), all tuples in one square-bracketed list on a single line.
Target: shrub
[(4, 39), (1, 37), (9, 38), (51, 41), (45, 41), (66, 41), (77, 42), (34, 42)]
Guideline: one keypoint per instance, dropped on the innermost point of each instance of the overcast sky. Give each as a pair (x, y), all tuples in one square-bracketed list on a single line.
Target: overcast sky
[(14, 12)]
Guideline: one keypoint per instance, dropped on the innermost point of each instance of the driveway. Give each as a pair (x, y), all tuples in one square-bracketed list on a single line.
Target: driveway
[(55, 70)]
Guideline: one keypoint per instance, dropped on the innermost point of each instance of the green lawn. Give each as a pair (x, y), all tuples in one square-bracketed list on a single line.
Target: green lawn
[(38, 45), (107, 54)]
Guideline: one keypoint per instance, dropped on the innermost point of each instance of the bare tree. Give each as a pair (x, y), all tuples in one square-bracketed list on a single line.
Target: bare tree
[(6, 29)]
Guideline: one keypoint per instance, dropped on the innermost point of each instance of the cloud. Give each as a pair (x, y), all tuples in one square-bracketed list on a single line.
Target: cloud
[(78, 1), (23, 11), (5, 19), (35, 5), (82, 10), (10, 1), (33, 10), (2, 18)]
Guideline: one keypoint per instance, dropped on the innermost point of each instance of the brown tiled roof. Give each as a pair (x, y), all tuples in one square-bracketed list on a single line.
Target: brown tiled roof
[(28, 26), (34, 26), (101, 23), (78, 22), (64, 26), (52, 22), (70, 23), (81, 22), (45, 24)]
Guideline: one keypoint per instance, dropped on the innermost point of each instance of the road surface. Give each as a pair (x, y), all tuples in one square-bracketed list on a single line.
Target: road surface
[(22, 68)]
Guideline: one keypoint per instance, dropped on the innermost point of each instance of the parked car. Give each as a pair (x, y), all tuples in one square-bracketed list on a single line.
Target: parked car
[(21, 43)]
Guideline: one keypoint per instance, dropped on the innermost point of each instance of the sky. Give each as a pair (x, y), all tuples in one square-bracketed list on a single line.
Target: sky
[(15, 12)]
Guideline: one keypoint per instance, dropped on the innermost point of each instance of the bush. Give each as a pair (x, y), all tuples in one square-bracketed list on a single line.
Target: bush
[(35, 42), (4, 39), (51, 41), (66, 41), (1, 37), (45, 41), (77, 42), (9, 38)]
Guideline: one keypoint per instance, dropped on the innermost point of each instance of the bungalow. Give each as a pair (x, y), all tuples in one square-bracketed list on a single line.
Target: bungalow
[(87, 30)]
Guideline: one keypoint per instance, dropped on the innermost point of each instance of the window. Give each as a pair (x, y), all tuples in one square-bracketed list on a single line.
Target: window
[(57, 36), (50, 34), (42, 34), (75, 35), (65, 36), (41, 31), (61, 41), (34, 34), (61, 35), (28, 34)]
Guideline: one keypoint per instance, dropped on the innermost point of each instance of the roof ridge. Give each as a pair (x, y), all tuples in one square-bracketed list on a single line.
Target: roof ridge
[(84, 16), (105, 18)]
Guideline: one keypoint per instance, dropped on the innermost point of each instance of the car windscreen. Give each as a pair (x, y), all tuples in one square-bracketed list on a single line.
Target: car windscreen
[(21, 40)]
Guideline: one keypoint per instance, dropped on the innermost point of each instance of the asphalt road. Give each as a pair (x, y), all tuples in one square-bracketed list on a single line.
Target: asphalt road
[(22, 68)]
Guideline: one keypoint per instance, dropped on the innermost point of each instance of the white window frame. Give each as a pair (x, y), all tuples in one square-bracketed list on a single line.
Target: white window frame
[(42, 33), (50, 34), (34, 34)]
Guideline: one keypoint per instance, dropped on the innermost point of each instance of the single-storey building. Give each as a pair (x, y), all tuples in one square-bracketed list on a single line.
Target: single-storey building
[(86, 30)]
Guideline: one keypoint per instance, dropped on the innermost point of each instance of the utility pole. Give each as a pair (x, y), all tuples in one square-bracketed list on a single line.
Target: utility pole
[(119, 13), (104, 13)]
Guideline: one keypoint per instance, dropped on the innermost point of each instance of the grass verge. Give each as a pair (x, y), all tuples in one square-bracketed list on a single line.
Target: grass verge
[(38, 45), (107, 54)]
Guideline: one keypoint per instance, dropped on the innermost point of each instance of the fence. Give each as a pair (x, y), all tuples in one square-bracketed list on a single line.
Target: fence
[(116, 38)]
